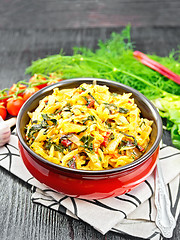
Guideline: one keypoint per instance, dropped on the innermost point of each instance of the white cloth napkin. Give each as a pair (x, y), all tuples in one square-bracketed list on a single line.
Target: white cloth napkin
[(132, 213)]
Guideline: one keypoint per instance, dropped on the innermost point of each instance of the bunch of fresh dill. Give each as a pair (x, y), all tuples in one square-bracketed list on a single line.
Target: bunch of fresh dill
[(114, 60)]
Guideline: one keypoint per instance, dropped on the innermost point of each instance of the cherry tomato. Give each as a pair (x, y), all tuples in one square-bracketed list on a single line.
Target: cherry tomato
[(52, 81), (54, 78), (29, 92), (38, 78), (17, 87), (3, 112), (14, 104), (56, 75), (3, 94)]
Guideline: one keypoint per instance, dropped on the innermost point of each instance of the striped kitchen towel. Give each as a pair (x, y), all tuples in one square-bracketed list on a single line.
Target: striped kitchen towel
[(128, 213)]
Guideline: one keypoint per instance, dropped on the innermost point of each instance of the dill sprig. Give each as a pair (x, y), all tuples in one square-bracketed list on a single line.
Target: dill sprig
[(114, 60)]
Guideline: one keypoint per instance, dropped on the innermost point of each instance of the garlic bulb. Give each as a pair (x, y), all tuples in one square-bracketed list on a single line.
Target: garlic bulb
[(5, 130)]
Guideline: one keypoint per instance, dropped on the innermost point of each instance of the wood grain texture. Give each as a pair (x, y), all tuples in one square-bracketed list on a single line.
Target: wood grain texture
[(78, 14), (20, 218), (34, 29), (18, 48)]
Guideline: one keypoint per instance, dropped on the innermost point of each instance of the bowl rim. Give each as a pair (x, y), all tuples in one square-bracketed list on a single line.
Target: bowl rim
[(100, 81)]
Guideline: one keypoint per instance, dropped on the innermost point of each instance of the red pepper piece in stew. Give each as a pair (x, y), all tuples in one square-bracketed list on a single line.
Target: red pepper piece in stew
[(106, 137), (66, 142)]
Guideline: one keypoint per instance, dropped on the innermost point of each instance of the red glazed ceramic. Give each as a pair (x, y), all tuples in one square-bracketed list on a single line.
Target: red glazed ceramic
[(91, 184)]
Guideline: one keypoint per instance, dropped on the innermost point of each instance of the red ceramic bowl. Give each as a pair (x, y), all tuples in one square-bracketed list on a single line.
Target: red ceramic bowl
[(83, 183)]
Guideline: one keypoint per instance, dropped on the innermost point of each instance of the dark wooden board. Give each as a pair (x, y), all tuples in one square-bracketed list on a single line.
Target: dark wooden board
[(18, 48), (90, 13), (34, 29)]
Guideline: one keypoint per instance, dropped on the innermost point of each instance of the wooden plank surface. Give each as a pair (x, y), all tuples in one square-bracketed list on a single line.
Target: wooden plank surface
[(90, 13), (35, 29), (18, 48)]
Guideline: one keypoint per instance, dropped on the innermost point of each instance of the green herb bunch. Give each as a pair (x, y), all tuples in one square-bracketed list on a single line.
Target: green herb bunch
[(114, 60)]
